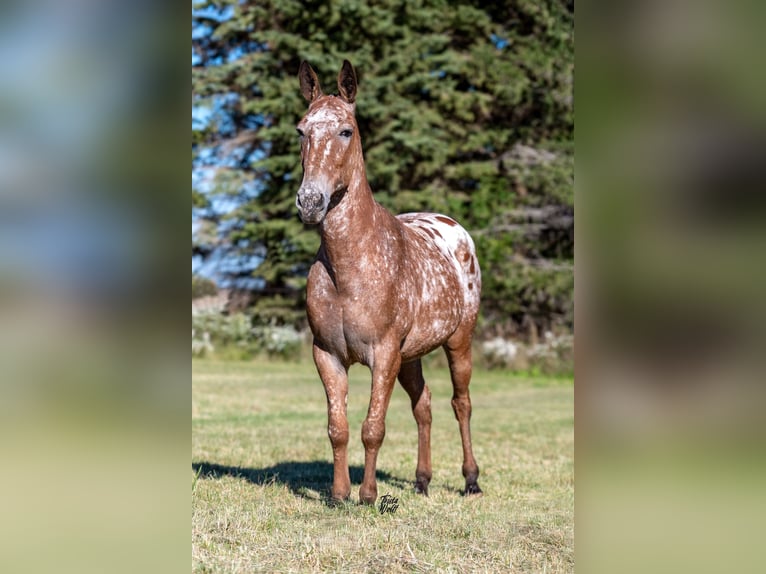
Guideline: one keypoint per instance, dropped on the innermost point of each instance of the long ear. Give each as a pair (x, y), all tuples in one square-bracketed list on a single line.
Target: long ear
[(347, 82), (309, 82)]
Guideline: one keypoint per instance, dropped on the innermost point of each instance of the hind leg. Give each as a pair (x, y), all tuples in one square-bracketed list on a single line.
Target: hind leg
[(411, 378), (458, 351)]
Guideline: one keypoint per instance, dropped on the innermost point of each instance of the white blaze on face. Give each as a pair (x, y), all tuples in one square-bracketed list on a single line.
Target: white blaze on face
[(322, 124), (320, 135), (323, 115)]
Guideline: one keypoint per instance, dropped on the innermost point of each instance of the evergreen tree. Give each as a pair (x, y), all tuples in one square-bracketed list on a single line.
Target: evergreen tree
[(464, 108)]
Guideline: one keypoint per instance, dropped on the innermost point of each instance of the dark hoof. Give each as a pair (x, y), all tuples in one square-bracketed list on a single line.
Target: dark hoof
[(472, 490), (421, 488)]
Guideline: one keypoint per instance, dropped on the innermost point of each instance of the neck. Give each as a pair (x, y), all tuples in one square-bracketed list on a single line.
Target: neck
[(353, 212), (349, 225)]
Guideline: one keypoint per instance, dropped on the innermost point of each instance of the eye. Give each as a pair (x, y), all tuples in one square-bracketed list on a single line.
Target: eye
[(300, 132), (346, 133)]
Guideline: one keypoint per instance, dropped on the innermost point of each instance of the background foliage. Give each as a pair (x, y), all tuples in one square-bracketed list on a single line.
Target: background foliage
[(464, 108)]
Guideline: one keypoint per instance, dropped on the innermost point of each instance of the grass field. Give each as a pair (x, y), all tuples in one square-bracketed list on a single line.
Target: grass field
[(261, 473)]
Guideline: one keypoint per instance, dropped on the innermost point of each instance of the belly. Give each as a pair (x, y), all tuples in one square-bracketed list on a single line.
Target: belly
[(436, 317)]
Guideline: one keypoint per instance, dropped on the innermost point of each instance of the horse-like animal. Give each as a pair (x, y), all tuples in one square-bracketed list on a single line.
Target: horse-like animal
[(383, 290)]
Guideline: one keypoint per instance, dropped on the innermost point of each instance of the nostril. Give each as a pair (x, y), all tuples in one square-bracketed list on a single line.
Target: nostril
[(298, 201)]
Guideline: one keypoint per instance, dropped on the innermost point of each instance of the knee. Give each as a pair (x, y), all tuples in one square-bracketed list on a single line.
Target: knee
[(338, 433), (373, 431)]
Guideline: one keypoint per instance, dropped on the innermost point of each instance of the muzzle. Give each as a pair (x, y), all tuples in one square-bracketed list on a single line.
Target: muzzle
[(312, 204)]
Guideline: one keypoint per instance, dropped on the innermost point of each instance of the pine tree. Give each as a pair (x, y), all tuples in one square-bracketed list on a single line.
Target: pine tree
[(464, 108)]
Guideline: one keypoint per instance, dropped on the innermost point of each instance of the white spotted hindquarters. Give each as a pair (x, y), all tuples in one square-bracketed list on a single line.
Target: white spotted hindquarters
[(457, 246)]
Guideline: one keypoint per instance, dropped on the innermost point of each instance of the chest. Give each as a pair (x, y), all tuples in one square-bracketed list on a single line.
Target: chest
[(347, 317)]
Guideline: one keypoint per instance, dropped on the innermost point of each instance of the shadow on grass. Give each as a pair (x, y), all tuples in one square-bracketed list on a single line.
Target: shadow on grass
[(300, 477)]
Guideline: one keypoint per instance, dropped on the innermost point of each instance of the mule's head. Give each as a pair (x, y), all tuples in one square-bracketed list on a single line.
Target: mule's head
[(330, 144)]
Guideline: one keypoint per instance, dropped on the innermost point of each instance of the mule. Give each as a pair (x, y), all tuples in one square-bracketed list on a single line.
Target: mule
[(383, 291)]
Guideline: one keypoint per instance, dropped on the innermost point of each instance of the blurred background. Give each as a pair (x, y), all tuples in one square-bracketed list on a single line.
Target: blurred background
[(670, 252), (464, 108), (94, 395)]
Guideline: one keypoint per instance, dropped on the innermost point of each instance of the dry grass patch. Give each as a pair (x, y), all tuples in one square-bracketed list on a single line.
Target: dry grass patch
[(261, 471)]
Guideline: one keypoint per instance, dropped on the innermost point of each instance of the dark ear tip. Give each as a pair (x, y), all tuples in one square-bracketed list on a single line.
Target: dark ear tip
[(347, 82)]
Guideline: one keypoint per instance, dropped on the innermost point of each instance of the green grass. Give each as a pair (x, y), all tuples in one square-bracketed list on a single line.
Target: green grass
[(261, 473)]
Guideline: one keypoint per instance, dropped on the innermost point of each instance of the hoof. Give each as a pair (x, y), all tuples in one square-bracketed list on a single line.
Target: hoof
[(367, 497), (421, 488), (340, 495), (472, 490)]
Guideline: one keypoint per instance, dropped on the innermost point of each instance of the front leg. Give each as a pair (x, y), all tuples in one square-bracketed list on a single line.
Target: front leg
[(386, 362), (335, 380)]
